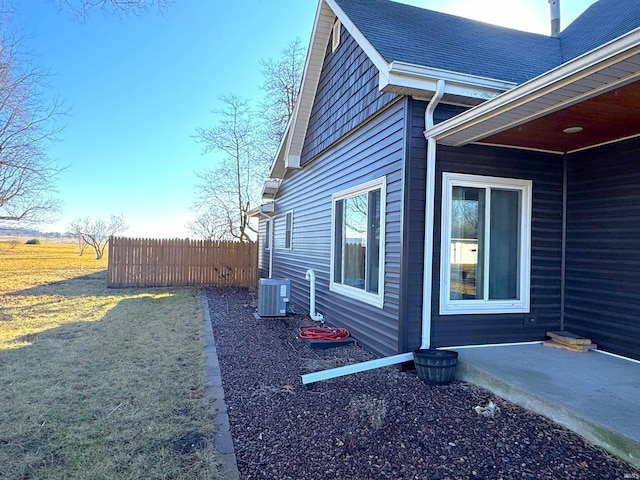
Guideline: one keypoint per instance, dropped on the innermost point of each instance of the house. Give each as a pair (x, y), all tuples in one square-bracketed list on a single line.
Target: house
[(510, 161)]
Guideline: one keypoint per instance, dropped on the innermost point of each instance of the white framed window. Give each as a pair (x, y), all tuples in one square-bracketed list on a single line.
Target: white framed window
[(357, 242), (485, 262), (267, 234), (288, 226)]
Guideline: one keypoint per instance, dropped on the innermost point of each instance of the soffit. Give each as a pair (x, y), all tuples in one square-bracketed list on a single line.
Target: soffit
[(611, 116), (599, 93)]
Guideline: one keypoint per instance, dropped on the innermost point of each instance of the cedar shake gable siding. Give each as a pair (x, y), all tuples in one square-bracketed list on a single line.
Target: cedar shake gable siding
[(347, 95)]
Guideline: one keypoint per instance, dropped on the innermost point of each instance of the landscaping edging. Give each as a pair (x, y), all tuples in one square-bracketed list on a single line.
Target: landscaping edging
[(215, 393)]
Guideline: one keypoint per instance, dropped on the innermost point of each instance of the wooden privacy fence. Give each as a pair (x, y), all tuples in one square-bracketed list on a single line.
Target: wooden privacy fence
[(143, 262)]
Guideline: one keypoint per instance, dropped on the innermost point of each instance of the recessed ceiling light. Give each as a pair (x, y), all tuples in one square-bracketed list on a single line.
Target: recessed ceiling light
[(573, 130)]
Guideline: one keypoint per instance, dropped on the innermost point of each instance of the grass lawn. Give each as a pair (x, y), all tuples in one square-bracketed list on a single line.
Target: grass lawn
[(97, 383)]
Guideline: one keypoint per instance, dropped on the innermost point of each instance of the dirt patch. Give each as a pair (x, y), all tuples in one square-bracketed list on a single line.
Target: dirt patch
[(378, 424), (189, 443)]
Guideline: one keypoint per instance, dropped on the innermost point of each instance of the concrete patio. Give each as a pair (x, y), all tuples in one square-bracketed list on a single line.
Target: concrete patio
[(594, 394)]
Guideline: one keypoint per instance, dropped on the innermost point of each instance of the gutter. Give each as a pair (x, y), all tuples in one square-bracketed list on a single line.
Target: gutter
[(428, 265), (398, 77)]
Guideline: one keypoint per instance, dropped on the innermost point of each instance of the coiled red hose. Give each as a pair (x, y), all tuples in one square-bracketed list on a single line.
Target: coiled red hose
[(324, 333)]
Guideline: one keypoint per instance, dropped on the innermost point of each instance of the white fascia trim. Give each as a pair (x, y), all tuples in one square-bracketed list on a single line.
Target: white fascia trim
[(293, 161), (583, 66), (270, 189), (407, 75), (285, 158), (381, 64), (276, 170)]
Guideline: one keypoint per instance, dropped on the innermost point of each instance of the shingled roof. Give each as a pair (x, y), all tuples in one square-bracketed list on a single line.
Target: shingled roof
[(602, 22), (418, 36), (414, 48)]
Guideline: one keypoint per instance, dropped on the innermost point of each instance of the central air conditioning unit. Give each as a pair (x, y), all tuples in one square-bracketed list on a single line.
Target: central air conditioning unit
[(273, 297)]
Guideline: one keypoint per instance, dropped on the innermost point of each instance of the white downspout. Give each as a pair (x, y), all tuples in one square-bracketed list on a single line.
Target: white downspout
[(315, 316), (429, 209), (271, 247), (428, 268)]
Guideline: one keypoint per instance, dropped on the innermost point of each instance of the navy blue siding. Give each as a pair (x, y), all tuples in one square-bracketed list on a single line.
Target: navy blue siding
[(602, 298), (347, 96), (372, 151), (413, 235), (545, 171)]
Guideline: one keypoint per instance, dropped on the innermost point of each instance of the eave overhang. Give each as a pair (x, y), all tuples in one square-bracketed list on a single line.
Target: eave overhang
[(270, 189), (264, 210), (407, 79), (608, 70)]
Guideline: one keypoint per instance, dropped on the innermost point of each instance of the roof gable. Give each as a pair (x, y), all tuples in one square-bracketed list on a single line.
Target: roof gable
[(414, 48)]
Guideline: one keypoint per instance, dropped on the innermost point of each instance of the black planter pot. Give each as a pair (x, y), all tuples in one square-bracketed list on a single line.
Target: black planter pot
[(435, 367)]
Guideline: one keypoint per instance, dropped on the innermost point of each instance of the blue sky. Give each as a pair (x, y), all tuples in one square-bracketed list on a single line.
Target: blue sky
[(137, 88)]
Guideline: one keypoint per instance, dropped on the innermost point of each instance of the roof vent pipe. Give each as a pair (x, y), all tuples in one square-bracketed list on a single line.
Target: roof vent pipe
[(555, 17)]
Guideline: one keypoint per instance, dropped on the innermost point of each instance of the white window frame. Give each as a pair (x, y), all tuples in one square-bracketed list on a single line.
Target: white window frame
[(375, 299), (268, 234), (288, 235), (482, 306)]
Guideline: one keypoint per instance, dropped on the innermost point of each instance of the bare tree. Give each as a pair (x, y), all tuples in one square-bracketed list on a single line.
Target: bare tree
[(96, 233), (28, 124), (226, 192), (282, 78), (209, 226), (83, 8)]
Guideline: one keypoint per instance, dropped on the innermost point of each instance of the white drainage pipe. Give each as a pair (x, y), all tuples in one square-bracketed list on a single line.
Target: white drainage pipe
[(315, 316)]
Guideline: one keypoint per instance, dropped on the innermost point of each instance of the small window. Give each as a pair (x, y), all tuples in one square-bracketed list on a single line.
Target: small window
[(335, 35), (288, 239), (357, 255), (267, 235), (485, 258)]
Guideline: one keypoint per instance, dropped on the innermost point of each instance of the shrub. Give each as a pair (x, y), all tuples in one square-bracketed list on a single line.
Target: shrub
[(33, 241)]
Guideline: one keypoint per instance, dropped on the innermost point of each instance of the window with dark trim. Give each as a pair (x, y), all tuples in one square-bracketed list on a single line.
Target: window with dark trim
[(267, 234), (288, 238)]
